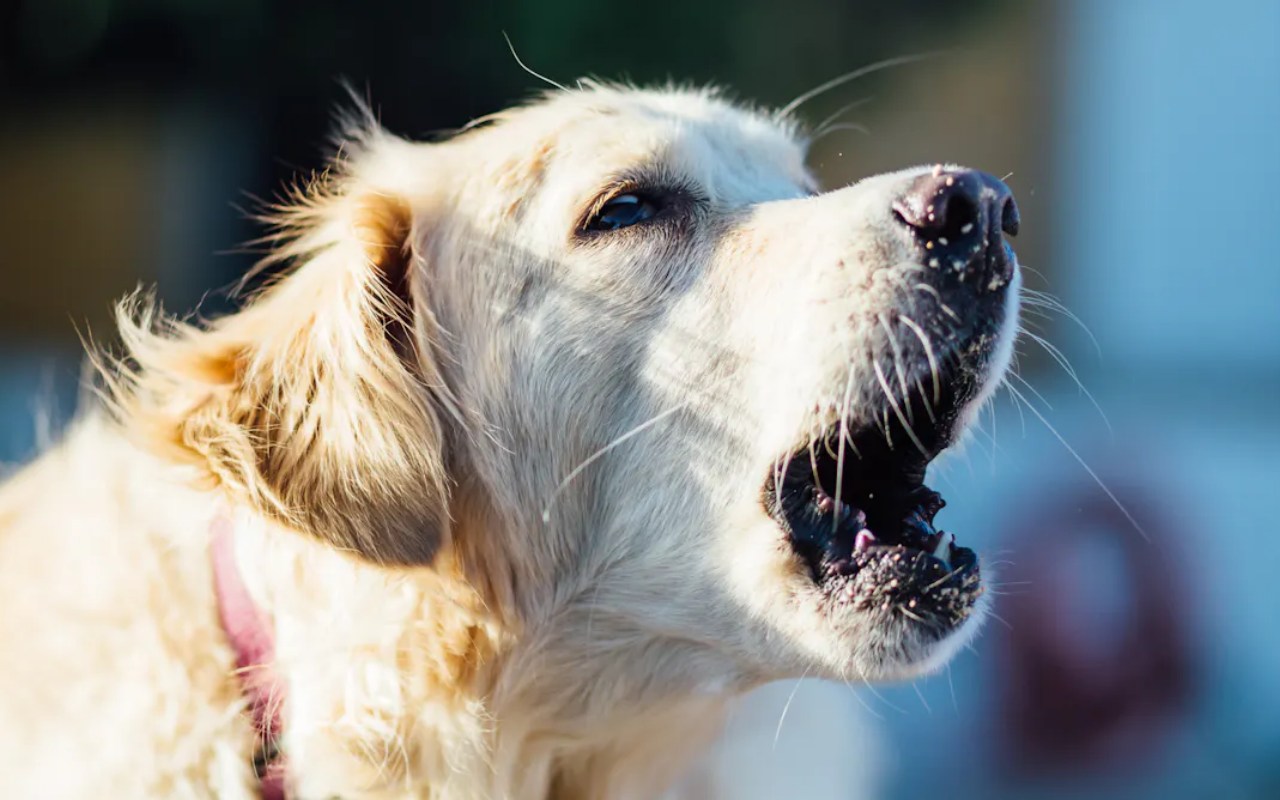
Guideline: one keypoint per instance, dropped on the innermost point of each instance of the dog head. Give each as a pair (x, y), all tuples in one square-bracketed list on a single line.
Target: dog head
[(665, 401)]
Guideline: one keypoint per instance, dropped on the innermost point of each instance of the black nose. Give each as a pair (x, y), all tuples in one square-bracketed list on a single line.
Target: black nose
[(960, 218)]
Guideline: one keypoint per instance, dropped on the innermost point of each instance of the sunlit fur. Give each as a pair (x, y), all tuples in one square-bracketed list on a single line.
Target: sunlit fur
[(395, 429)]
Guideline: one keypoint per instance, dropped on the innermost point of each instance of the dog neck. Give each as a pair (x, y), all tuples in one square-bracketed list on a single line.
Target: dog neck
[(408, 680)]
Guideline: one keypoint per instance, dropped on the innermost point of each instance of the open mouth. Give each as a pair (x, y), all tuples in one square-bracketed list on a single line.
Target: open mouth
[(855, 509)]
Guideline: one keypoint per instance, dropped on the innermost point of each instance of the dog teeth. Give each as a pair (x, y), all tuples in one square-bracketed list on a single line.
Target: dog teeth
[(826, 504), (943, 551)]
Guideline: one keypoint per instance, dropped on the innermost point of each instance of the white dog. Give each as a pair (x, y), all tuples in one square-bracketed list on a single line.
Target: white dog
[(559, 435)]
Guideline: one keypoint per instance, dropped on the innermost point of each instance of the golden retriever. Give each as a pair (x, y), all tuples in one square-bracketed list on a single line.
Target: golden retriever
[(557, 436)]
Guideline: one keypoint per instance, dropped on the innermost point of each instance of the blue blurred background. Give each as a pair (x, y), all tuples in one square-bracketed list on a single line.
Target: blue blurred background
[(1135, 653)]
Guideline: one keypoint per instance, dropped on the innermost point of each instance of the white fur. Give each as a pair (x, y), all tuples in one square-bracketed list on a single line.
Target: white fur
[(453, 619)]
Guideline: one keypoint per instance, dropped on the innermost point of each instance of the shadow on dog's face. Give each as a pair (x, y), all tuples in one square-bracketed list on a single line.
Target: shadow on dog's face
[(701, 397)]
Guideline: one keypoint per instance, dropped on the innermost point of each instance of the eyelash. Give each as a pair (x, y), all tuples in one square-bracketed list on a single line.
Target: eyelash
[(661, 201), (627, 209)]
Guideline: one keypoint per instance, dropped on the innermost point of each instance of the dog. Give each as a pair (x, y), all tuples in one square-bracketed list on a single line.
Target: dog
[(550, 439)]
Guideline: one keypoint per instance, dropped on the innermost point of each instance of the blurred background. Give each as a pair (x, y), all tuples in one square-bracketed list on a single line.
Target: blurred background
[(1135, 653)]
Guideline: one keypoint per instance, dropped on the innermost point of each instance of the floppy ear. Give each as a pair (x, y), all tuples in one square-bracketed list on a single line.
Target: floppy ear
[(319, 403)]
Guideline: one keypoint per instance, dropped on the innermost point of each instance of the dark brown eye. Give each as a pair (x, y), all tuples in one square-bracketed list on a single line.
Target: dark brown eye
[(623, 211)]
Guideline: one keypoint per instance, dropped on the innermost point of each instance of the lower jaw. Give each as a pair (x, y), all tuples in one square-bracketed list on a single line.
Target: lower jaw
[(911, 584)]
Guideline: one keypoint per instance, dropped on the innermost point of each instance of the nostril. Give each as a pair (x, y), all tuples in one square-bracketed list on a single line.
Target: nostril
[(1009, 217), (956, 215), (942, 205)]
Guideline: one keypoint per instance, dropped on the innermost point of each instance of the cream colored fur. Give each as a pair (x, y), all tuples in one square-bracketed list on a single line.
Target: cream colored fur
[(390, 426)]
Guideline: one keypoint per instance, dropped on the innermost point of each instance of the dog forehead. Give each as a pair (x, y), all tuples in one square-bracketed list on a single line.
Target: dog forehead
[(695, 133), (702, 110)]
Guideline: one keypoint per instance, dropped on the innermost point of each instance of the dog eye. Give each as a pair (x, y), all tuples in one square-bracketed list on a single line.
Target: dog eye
[(622, 211)]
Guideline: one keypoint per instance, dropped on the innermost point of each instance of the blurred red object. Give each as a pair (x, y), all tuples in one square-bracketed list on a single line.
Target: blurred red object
[(1096, 662)]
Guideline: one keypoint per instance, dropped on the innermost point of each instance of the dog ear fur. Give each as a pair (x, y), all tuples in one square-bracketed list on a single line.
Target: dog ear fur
[(319, 404)]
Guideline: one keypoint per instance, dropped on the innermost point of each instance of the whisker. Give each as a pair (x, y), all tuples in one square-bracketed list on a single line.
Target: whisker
[(826, 446), (844, 432), (784, 464), (1004, 593), (524, 67), (1022, 419), (813, 462), (998, 618), (955, 705), (1046, 300), (818, 131), (843, 126), (1058, 356), (898, 365), (928, 407), (848, 440), (908, 612), (979, 430), (852, 75), (946, 309), (591, 459), (877, 695), (1098, 480), (915, 685), (1031, 389), (893, 403), (928, 351), (787, 707), (858, 697), (995, 443), (943, 579)]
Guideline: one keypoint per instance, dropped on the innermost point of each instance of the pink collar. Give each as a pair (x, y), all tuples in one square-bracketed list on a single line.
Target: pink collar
[(250, 634)]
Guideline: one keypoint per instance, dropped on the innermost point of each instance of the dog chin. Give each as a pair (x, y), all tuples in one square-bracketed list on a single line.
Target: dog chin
[(889, 651)]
